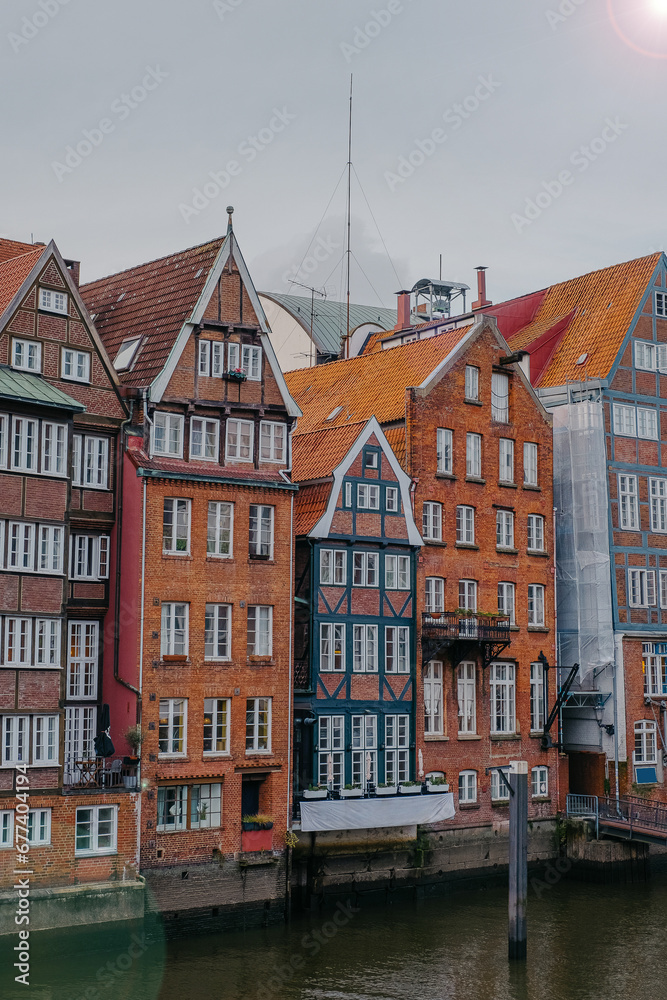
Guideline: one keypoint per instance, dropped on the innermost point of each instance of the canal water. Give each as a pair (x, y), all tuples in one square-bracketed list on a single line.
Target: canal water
[(586, 942)]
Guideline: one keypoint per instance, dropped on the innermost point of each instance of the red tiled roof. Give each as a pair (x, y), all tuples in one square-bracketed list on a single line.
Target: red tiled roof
[(151, 300), (14, 271), (316, 455), (209, 470), (396, 438), (12, 248), (586, 315), (310, 504), (366, 386)]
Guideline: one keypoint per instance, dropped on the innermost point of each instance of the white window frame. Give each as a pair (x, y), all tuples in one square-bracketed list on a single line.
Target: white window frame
[(82, 660), (657, 489), (625, 420), (434, 715), (89, 557), (396, 572), (333, 567), (473, 455), (261, 531), (500, 397), (21, 546), (78, 363), (42, 818), (217, 632), (53, 301), (332, 647), (18, 641), (465, 525), (6, 829), (467, 787), (530, 463), (646, 742), (661, 303), (15, 740), (237, 451), (645, 355), (434, 593), (499, 790), (364, 649), (207, 447), (391, 501), (663, 590), (331, 743), (80, 726), (368, 496), (507, 600), (176, 520), (432, 521), (536, 609), (218, 513), (539, 782), (397, 743), (54, 448), (50, 542), (48, 633), (262, 617), (365, 569), (45, 743), (468, 595), (628, 503), (537, 707), (26, 355), (90, 462), (536, 540), (167, 434), (364, 749), (175, 711), (4, 440), (471, 390), (220, 712), (502, 693), (506, 460), (170, 643), (445, 451), (110, 814), (256, 742), (397, 649), (505, 529), (24, 443), (272, 441), (466, 692), (641, 588), (654, 662)]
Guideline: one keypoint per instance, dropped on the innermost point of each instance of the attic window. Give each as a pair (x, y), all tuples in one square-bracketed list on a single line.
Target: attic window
[(334, 413), (582, 359), (126, 353), (52, 301)]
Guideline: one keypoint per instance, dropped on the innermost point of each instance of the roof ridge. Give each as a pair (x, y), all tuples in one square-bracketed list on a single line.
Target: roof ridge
[(156, 260)]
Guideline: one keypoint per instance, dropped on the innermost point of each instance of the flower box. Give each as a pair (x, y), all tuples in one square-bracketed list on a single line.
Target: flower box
[(315, 793), (436, 788), (236, 375), (410, 789), (387, 790), (351, 793), (257, 840)]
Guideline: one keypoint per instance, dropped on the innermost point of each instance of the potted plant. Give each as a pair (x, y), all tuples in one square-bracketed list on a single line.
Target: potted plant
[(410, 787), (135, 738), (386, 788), (315, 792), (257, 832), (351, 792), (436, 784), (237, 375)]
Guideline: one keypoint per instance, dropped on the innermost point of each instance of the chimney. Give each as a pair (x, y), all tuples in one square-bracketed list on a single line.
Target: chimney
[(74, 267), (481, 289), (403, 316)]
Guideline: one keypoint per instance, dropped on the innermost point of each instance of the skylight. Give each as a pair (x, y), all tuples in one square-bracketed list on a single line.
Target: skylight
[(582, 358), (334, 413), (126, 353)]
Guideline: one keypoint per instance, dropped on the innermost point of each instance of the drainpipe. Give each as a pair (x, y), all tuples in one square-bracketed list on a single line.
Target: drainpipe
[(119, 545), (613, 667), (413, 487), (285, 473)]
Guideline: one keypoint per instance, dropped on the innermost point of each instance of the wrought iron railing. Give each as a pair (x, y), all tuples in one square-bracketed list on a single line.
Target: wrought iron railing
[(649, 814), (99, 773), (302, 674), (467, 625)]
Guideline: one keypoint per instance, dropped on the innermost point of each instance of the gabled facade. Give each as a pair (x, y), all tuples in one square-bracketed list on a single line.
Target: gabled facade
[(475, 443), (206, 570), (355, 642), (60, 413)]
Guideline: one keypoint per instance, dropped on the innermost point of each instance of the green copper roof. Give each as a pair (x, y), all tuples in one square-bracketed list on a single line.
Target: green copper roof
[(22, 387), (330, 318)]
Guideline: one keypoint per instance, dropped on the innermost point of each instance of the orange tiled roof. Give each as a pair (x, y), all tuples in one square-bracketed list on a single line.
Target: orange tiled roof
[(309, 505), (396, 438), (13, 248), (366, 386), (602, 305), (316, 455), (14, 271), (152, 300)]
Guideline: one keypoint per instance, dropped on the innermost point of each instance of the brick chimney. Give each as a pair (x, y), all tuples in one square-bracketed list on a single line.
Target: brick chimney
[(74, 267), (403, 316), (481, 300)]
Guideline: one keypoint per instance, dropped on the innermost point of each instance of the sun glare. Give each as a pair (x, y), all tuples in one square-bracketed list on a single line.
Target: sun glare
[(659, 7)]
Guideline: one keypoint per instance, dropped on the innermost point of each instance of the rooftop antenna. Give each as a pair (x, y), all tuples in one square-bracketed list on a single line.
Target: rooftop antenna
[(349, 192), (440, 267), (313, 293)]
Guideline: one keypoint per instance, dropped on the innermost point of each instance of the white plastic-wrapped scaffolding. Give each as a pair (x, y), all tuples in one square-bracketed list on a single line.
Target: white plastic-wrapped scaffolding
[(585, 619)]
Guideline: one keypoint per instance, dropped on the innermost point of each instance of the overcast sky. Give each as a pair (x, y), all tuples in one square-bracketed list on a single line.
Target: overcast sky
[(118, 112)]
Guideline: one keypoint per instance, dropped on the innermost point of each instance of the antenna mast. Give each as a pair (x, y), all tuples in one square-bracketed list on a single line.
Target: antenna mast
[(349, 207), (313, 293)]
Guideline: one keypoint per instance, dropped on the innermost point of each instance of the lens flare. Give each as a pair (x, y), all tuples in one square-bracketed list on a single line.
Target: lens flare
[(642, 26), (659, 7)]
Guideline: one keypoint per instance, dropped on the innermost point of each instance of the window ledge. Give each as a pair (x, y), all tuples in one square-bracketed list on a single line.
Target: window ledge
[(260, 660), (215, 754), (500, 803), (529, 486), (263, 559), (537, 552), (515, 628), (180, 758), (174, 658), (507, 485), (436, 739), (178, 555), (540, 798), (476, 479), (434, 541), (473, 402), (538, 628), (469, 805), (504, 737), (212, 558), (468, 736), (445, 475), (466, 545), (507, 552)]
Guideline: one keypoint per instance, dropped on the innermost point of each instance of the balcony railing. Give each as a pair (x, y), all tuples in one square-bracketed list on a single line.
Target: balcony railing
[(467, 625), (100, 773), (302, 674)]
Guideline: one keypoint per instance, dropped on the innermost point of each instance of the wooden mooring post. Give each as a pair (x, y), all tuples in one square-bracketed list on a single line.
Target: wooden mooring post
[(518, 868)]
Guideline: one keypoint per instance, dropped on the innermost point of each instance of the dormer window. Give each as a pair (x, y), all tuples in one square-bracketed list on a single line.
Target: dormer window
[(371, 460), (126, 353), (661, 303), (52, 301), (27, 355)]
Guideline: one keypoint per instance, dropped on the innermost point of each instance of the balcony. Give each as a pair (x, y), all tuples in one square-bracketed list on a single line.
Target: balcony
[(458, 632), (100, 774)]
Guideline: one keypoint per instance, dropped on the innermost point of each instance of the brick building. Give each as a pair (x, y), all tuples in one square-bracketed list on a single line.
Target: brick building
[(476, 444), (60, 413), (206, 558)]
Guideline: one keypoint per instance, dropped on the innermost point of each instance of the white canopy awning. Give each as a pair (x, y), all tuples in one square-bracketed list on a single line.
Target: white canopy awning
[(368, 814)]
